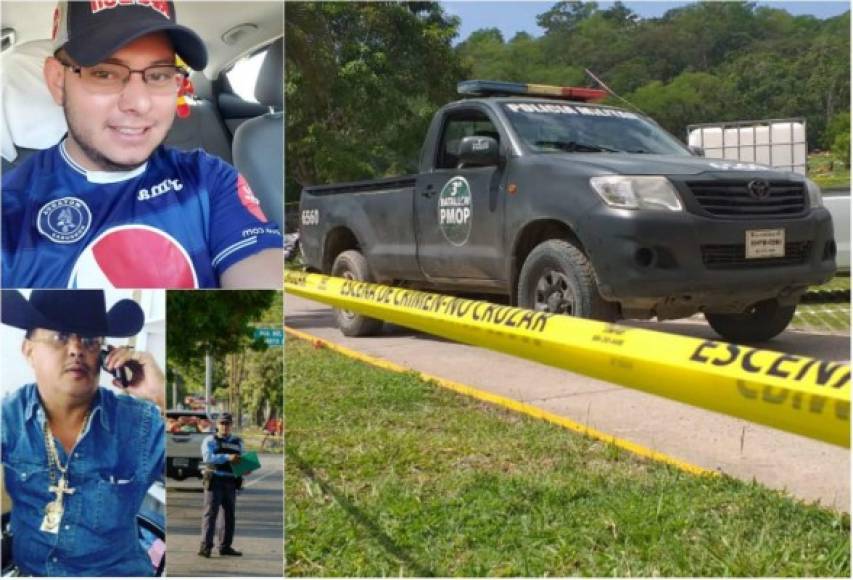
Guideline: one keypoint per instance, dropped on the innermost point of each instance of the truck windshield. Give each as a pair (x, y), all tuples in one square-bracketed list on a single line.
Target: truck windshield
[(551, 128)]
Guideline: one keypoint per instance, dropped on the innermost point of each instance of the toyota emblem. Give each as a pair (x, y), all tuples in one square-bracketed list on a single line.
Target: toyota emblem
[(759, 188)]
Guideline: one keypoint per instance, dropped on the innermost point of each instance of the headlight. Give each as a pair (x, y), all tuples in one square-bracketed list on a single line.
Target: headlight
[(815, 195), (637, 192)]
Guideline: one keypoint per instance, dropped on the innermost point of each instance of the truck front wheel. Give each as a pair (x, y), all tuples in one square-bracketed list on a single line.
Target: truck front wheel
[(761, 322), (557, 277), (353, 265)]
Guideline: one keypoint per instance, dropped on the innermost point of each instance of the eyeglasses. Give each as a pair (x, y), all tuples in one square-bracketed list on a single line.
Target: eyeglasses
[(111, 78), (60, 340)]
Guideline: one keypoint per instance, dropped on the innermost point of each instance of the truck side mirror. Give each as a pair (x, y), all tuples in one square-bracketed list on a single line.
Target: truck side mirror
[(477, 151), (696, 151)]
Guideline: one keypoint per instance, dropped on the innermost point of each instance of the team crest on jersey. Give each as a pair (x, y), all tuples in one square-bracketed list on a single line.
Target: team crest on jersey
[(64, 220)]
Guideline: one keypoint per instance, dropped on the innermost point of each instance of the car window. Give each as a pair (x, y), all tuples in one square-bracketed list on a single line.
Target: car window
[(457, 126), (7, 38), (243, 75), (553, 128)]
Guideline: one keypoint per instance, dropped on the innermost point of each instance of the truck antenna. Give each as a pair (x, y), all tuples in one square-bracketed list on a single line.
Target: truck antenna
[(609, 90)]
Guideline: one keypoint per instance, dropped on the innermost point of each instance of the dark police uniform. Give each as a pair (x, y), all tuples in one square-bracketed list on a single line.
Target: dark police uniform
[(220, 489)]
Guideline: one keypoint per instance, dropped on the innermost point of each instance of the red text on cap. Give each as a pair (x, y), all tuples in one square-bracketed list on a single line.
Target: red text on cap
[(160, 6)]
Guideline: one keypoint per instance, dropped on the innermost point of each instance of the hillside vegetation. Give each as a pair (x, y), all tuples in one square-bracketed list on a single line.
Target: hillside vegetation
[(364, 79)]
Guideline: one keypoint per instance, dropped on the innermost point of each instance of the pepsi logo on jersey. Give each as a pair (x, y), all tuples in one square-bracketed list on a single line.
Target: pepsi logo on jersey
[(134, 256)]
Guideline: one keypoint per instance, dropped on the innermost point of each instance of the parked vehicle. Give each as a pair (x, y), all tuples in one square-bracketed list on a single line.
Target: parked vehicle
[(185, 432), (566, 206), (781, 144)]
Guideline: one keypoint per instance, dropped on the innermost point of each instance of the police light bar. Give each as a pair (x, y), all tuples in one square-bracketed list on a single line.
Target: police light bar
[(495, 88)]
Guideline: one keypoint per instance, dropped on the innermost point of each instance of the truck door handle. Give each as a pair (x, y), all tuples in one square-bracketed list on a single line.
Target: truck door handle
[(429, 191)]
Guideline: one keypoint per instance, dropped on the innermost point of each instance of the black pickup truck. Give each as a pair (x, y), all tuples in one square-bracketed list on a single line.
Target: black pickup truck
[(563, 205)]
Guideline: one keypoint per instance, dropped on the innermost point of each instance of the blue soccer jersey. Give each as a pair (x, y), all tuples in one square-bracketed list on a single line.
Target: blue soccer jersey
[(178, 221)]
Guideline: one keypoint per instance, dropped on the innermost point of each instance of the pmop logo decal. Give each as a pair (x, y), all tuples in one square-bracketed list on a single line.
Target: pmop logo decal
[(133, 256), (454, 211), (64, 220)]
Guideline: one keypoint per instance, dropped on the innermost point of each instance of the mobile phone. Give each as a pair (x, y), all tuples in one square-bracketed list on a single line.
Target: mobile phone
[(125, 374)]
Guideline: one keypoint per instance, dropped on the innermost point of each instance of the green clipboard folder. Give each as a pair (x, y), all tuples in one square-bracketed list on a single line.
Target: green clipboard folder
[(248, 462)]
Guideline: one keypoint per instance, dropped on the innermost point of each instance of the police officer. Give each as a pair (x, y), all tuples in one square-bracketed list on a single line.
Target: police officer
[(220, 452)]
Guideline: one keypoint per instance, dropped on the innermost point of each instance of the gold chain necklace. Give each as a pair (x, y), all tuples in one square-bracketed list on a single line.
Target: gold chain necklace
[(53, 511)]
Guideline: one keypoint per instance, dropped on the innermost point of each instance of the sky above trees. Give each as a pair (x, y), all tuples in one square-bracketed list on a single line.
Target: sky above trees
[(514, 16)]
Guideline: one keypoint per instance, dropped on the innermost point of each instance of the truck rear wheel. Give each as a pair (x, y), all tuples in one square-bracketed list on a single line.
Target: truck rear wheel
[(352, 264), (761, 322), (557, 277)]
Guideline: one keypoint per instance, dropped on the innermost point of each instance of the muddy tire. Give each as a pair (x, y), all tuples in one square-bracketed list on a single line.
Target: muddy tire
[(557, 277), (761, 322), (352, 264)]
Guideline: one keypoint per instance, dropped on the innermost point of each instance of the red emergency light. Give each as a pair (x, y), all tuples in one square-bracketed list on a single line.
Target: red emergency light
[(499, 88)]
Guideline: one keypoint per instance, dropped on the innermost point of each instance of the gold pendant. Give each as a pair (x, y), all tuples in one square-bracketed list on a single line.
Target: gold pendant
[(52, 517)]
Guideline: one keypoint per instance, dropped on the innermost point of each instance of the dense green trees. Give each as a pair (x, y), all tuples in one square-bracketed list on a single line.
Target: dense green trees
[(362, 82), (246, 373), (363, 79), (705, 62)]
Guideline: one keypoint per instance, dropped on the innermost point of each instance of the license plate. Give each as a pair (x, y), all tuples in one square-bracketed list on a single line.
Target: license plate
[(180, 462), (765, 243)]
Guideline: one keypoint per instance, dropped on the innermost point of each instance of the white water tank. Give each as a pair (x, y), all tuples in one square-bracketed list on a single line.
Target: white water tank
[(778, 143)]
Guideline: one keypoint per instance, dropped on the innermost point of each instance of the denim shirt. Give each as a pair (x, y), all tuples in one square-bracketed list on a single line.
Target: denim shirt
[(209, 454), (119, 455)]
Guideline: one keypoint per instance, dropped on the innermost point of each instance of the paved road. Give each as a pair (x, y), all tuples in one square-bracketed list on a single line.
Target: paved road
[(260, 529), (807, 469)]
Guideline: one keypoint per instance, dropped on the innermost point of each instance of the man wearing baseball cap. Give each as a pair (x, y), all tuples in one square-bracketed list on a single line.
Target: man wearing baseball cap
[(110, 206), (219, 451), (78, 459)]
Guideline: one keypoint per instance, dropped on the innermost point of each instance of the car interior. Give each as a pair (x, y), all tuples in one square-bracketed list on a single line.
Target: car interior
[(236, 35), (461, 124)]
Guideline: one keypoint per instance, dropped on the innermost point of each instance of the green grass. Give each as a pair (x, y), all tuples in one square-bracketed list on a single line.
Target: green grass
[(827, 172), (832, 317), (825, 316), (389, 475), (254, 436), (837, 283)]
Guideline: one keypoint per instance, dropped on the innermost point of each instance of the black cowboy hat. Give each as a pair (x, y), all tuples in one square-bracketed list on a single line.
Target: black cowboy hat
[(82, 312)]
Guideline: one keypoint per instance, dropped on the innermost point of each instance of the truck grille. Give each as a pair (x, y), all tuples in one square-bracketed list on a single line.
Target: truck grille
[(722, 256), (732, 199)]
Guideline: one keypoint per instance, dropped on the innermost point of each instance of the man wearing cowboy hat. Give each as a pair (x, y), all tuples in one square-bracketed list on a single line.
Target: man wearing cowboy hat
[(219, 451), (110, 206), (78, 459)]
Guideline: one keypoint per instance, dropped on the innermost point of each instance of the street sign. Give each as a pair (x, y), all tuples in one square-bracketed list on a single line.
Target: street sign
[(272, 336)]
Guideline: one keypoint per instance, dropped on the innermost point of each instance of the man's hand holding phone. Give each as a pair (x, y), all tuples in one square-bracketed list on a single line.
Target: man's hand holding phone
[(137, 373)]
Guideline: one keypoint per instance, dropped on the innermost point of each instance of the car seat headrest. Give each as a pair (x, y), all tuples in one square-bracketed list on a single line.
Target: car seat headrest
[(30, 117)]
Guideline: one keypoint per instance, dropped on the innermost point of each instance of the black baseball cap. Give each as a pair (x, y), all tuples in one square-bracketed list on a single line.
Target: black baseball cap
[(93, 30), (225, 418)]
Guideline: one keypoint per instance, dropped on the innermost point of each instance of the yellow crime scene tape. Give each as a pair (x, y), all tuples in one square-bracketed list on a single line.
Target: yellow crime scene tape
[(793, 393)]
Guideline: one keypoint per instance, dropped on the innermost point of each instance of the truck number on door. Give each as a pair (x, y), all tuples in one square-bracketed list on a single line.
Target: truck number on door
[(310, 217)]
